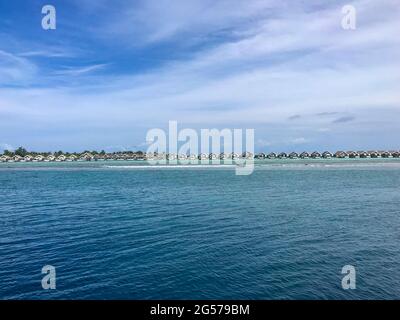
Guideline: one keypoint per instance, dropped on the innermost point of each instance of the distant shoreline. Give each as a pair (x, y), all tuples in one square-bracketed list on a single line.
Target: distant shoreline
[(21, 155)]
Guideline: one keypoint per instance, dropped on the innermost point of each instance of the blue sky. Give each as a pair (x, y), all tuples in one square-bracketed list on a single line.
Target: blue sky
[(114, 69)]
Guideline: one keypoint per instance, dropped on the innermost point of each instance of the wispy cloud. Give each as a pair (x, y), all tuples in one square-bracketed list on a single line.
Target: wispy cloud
[(15, 70), (195, 20), (344, 119), (46, 54), (327, 113), (77, 71)]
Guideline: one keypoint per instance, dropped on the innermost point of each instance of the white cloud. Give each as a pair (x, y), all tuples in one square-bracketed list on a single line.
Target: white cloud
[(300, 140), (264, 143), (47, 53), (77, 71), (6, 146), (14, 69), (152, 21)]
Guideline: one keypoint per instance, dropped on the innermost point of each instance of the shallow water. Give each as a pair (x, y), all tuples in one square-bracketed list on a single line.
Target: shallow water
[(286, 231)]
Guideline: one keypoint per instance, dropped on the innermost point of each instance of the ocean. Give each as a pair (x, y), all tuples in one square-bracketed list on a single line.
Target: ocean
[(125, 230)]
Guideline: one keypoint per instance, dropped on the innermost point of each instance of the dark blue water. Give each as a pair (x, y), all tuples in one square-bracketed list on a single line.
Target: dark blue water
[(280, 233)]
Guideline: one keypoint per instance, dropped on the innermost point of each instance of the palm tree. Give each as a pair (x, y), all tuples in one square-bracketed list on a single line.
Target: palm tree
[(8, 153), (21, 152)]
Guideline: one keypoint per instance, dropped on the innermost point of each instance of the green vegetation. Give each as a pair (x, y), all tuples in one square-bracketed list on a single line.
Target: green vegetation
[(22, 152)]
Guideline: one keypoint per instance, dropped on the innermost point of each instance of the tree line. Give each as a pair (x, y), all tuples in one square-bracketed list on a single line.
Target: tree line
[(22, 152)]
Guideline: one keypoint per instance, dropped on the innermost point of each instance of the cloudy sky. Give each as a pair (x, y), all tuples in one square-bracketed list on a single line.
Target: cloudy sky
[(112, 70)]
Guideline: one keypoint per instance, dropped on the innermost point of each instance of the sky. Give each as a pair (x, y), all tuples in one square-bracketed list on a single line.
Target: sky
[(112, 70)]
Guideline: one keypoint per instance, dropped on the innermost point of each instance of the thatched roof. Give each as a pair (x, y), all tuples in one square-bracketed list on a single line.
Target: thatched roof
[(340, 154), (327, 154)]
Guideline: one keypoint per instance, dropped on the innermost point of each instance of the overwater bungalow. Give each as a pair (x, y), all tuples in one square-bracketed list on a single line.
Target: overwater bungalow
[(327, 155), (17, 158), (131, 156), (362, 154), (161, 156), (247, 155), (260, 156), (171, 156), (72, 157), (182, 156), (4, 158), (50, 158), (352, 154), (150, 156), (315, 155), (293, 155), (282, 155), (384, 154), (85, 157), (28, 158), (203, 156), (61, 158), (39, 158), (125, 156), (395, 154), (140, 156), (340, 154), (373, 154), (304, 155), (99, 157), (272, 155), (213, 156), (234, 156)]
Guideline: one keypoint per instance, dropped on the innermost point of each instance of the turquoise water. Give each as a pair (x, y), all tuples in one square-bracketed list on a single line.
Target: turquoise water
[(116, 231)]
